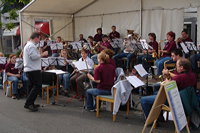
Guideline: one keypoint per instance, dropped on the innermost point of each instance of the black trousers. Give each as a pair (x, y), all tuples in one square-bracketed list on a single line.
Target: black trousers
[(35, 79)]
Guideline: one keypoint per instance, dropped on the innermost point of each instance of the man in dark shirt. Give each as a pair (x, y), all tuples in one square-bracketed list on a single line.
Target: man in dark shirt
[(184, 78), (82, 39), (98, 37), (114, 34)]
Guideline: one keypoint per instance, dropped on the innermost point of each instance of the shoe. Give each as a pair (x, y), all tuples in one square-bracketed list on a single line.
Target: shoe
[(31, 108), (36, 105), (14, 97)]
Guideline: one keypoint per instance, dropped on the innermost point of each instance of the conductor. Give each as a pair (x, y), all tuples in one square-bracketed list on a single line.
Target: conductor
[(32, 67)]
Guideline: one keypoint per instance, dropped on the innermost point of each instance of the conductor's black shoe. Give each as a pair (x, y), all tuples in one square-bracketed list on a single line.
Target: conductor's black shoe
[(31, 108), (36, 105)]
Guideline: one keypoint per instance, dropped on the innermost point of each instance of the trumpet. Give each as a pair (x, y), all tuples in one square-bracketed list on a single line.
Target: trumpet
[(94, 49)]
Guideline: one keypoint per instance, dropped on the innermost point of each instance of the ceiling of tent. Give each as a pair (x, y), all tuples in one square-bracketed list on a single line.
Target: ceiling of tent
[(58, 6)]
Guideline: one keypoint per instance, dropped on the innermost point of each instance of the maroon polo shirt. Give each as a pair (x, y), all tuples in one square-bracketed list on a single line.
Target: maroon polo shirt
[(98, 37), (11, 68), (106, 74), (187, 40), (114, 35), (169, 46), (112, 62), (154, 45), (2, 66), (185, 80), (105, 44)]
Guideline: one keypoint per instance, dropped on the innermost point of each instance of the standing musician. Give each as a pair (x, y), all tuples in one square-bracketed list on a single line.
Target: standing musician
[(166, 52), (142, 59), (81, 76), (114, 34), (104, 76), (13, 74)]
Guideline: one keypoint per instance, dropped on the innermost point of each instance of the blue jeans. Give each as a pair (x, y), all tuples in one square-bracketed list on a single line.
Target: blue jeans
[(15, 81), (121, 55), (93, 92), (94, 58), (147, 103), (65, 79), (55, 54), (193, 60), (160, 64)]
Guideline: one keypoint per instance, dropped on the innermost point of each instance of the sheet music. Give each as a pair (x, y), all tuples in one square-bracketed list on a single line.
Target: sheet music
[(87, 46), (19, 63), (189, 46), (3, 60), (44, 62), (50, 42), (184, 48), (52, 61), (60, 61), (81, 65), (56, 46), (136, 82), (117, 43), (41, 43), (140, 69), (76, 45), (57, 72)]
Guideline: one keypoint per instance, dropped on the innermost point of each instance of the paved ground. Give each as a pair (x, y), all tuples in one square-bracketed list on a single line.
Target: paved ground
[(69, 119)]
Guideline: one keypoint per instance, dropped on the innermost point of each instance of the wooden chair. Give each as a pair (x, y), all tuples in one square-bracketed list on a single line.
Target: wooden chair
[(110, 99), (47, 88), (7, 83)]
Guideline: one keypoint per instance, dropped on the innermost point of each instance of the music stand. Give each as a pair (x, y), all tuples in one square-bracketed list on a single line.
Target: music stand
[(60, 61), (87, 46), (56, 46), (76, 45), (44, 62), (19, 63), (2, 60)]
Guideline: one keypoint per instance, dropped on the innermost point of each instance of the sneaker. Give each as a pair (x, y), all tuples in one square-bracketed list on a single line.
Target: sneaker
[(14, 97), (31, 108)]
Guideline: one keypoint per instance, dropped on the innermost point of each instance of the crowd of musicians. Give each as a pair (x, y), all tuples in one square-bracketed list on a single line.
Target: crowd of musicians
[(104, 59)]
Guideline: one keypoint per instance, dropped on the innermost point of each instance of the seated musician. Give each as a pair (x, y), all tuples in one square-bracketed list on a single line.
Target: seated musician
[(14, 75), (194, 59), (103, 45), (166, 52), (104, 76), (128, 52), (55, 53), (77, 80), (91, 41), (82, 39), (142, 59), (98, 37), (184, 37), (111, 53), (64, 78), (114, 34), (46, 47), (184, 78), (2, 67)]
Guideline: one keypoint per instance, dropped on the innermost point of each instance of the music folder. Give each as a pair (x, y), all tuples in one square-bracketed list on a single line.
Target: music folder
[(3, 60), (19, 63)]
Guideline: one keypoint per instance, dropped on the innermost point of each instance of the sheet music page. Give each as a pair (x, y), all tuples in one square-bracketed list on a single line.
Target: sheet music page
[(136, 82), (44, 62), (140, 69), (184, 48), (3, 60), (144, 44), (117, 43), (76, 45), (194, 46), (52, 61), (61, 61), (59, 46), (81, 65), (19, 63), (41, 43), (57, 72), (189, 46)]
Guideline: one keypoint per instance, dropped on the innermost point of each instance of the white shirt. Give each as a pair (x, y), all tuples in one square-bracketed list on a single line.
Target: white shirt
[(31, 57)]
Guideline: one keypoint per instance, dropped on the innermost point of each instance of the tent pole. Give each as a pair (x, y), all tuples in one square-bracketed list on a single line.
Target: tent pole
[(73, 26), (21, 33), (141, 17)]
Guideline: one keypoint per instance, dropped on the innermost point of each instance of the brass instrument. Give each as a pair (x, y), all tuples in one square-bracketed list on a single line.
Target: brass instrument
[(179, 40), (94, 49)]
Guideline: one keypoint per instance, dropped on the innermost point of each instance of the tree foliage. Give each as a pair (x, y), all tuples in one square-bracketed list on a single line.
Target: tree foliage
[(11, 7)]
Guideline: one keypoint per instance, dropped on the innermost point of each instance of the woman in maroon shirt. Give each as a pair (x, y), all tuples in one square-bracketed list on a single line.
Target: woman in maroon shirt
[(166, 52), (104, 76)]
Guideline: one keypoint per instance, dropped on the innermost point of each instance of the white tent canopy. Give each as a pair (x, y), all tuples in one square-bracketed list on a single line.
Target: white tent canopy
[(69, 18)]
